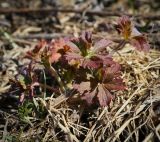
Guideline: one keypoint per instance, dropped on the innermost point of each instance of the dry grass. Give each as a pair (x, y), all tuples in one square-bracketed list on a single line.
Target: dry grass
[(133, 116)]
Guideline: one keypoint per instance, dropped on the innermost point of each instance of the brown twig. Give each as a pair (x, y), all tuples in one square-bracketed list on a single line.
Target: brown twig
[(79, 11), (41, 36)]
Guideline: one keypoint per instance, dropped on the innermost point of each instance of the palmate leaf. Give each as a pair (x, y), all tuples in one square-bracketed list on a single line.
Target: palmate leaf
[(88, 96), (73, 47), (114, 68), (84, 89), (91, 63), (98, 87), (126, 28), (112, 78), (140, 43), (104, 96), (100, 92), (73, 56), (53, 47), (115, 84), (48, 50), (101, 45), (87, 54), (35, 53)]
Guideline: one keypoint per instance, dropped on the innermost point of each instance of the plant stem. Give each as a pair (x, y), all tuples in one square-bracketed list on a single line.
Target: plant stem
[(119, 46), (55, 74)]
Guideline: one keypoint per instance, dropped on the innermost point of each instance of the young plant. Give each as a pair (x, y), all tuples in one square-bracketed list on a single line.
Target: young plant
[(25, 83), (102, 74), (126, 28), (83, 65)]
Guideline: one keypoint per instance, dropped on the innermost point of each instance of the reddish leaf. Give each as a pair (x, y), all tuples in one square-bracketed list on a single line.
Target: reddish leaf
[(54, 57), (54, 47), (87, 63), (72, 47), (112, 78), (73, 56), (126, 28), (82, 50), (115, 86), (101, 45), (35, 53), (140, 43), (107, 60), (87, 36), (113, 69), (104, 96), (82, 87), (88, 97)]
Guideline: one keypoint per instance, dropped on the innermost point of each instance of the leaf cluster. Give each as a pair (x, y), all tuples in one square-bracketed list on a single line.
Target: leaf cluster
[(81, 65)]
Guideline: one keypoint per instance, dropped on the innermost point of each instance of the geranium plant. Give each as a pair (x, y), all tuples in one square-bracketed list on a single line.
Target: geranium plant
[(81, 65)]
